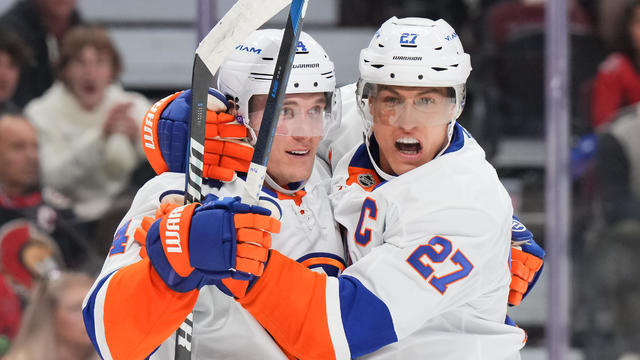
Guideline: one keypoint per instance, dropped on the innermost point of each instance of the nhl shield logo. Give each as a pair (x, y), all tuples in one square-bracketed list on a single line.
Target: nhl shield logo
[(366, 180)]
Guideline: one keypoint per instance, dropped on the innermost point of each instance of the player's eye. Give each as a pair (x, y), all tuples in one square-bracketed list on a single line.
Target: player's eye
[(391, 100), (287, 113), (426, 100), (316, 111)]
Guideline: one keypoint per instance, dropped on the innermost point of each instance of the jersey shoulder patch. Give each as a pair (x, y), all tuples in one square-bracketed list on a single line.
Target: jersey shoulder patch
[(361, 171)]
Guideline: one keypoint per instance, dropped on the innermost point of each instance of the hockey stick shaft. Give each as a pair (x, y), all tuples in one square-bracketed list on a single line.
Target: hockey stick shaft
[(275, 97), (242, 19), (201, 79)]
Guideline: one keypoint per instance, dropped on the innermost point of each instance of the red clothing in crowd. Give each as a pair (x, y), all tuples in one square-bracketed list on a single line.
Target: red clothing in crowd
[(617, 85), (10, 310)]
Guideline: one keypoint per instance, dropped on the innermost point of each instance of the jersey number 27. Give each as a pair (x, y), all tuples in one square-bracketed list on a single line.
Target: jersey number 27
[(433, 256)]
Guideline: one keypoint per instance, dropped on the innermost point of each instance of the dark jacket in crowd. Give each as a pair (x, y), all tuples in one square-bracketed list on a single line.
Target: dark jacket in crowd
[(48, 214)]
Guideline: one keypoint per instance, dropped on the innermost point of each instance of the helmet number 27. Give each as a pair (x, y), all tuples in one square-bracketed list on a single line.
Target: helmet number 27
[(408, 38)]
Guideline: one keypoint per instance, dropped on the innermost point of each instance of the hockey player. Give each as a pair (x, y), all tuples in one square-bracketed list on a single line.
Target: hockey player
[(148, 286), (428, 223)]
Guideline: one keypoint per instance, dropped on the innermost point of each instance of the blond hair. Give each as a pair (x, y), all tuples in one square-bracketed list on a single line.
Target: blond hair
[(36, 337)]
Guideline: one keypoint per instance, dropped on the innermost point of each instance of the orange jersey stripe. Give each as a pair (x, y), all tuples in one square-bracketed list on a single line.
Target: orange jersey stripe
[(368, 179), (300, 327), (323, 260), (296, 197)]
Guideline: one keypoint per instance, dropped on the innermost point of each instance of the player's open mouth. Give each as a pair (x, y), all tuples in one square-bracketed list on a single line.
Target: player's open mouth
[(298, 152), (409, 146)]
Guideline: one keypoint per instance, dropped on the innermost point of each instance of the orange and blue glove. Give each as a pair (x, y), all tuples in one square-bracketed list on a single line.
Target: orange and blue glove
[(527, 261), (165, 137), (196, 245)]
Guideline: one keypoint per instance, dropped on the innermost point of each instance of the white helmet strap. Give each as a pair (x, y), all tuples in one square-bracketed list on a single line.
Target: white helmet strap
[(272, 184)]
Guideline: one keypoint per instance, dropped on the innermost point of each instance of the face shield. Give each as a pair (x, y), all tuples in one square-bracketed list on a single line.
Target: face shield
[(301, 115), (406, 106)]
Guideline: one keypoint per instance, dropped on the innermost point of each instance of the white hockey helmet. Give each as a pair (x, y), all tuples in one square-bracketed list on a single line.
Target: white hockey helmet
[(249, 70), (415, 52)]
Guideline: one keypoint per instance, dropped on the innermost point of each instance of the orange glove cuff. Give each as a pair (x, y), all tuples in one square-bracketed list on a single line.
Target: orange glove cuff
[(149, 134)]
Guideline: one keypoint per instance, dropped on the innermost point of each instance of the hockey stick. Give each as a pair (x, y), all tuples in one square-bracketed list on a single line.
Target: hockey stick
[(238, 23), (262, 149)]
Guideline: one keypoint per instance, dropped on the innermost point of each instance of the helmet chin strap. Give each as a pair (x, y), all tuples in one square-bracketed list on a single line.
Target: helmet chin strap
[(450, 127), (380, 172), (273, 185)]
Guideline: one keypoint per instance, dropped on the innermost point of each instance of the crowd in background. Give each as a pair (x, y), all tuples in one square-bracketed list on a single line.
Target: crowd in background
[(69, 153), (71, 161)]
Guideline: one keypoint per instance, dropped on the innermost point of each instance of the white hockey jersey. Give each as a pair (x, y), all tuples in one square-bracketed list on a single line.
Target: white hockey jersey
[(433, 245), (430, 267), (222, 328)]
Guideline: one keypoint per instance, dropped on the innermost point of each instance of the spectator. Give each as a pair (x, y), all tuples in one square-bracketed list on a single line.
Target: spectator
[(612, 266), (618, 81), (618, 168), (88, 126), (41, 24), (14, 54), (23, 202), (52, 327), (18, 156), (608, 14), (33, 230)]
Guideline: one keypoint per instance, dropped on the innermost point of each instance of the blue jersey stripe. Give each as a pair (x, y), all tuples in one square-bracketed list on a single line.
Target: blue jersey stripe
[(366, 319), (88, 311), (457, 139), (361, 158), (322, 254), (330, 270)]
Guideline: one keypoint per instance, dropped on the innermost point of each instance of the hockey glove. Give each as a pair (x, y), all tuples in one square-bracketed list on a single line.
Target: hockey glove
[(527, 259), (165, 137), (196, 245), (230, 286)]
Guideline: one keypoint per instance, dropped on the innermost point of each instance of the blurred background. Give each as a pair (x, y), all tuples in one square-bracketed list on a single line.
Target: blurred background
[(154, 43)]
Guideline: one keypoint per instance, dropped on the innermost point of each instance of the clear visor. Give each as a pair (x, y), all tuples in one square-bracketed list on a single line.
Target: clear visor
[(301, 115), (408, 107)]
